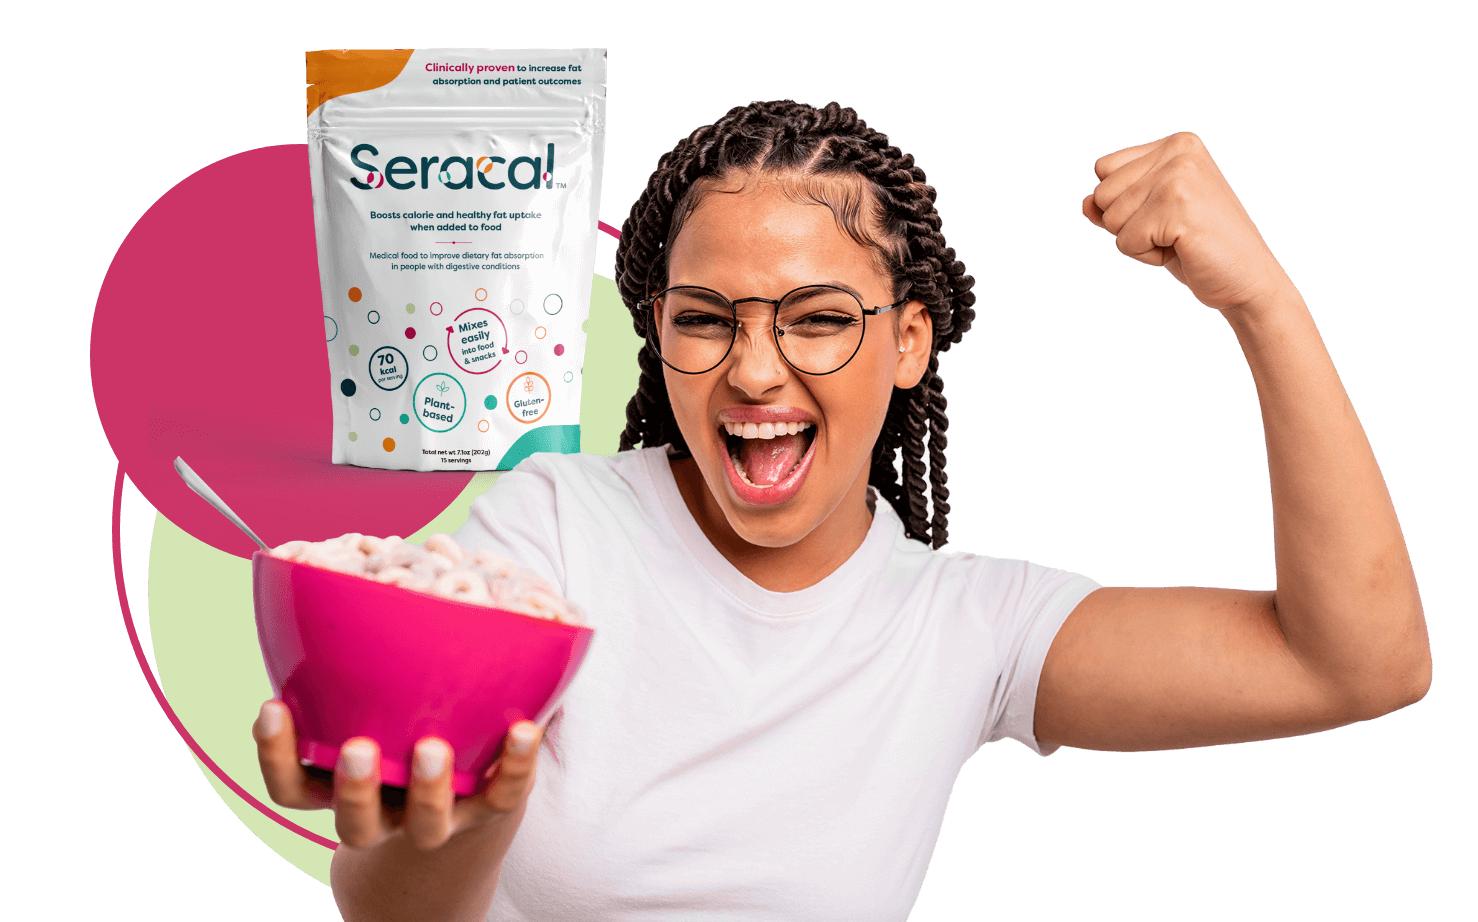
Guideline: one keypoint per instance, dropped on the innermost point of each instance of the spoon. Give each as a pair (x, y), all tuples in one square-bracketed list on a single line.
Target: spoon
[(193, 481)]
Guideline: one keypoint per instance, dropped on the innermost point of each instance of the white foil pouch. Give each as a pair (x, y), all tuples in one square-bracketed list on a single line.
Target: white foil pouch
[(455, 197)]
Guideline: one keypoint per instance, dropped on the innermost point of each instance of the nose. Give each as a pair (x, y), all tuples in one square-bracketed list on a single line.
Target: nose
[(755, 365)]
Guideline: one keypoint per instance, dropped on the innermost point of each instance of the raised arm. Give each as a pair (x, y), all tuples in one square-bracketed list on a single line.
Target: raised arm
[(1343, 637)]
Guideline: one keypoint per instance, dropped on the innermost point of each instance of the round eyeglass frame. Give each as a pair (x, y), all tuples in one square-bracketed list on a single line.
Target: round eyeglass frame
[(775, 330)]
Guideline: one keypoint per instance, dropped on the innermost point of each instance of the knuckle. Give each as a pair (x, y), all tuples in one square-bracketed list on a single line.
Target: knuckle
[(356, 798), (427, 803), (503, 801), (352, 833), (425, 837), (506, 798), (1186, 141), (517, 775), (280, 786), (280, 794)]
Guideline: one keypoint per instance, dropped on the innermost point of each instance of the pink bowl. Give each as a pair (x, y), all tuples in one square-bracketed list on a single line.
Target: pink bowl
[(353, 657)]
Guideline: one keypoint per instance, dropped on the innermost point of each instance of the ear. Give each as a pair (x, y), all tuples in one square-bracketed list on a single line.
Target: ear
[(916, 337)]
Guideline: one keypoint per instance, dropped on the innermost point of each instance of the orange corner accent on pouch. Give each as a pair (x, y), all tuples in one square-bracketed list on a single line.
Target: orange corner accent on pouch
[(338, 73)]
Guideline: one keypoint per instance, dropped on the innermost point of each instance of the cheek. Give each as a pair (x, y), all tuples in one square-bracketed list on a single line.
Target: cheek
[(689, 404), (866, 401)]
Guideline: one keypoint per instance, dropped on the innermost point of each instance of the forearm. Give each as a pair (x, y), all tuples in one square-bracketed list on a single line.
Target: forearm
[(1346, 597), (396, 881)]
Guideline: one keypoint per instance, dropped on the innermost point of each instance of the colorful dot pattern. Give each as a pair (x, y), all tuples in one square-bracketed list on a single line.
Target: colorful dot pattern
[(552, 304)]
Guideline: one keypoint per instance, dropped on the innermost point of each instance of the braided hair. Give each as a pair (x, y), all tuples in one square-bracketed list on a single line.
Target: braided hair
[(795, 141)]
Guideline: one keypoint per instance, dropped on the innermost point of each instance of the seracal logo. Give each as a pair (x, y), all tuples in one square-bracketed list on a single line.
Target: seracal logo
[(454, 172)]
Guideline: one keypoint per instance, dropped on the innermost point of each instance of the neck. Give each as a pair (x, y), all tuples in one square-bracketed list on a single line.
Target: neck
[(779, 569)]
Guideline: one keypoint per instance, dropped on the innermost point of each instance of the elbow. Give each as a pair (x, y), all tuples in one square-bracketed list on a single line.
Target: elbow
[(1402, 680), (1413, 668), (1418, 681)]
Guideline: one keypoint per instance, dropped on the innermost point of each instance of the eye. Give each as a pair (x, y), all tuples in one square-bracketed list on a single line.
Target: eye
[(695, 320), (821, 323)]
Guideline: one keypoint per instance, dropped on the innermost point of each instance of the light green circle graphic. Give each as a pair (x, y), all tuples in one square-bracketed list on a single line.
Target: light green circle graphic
[(211, 666), (410, 308), (353, 350), (354, 436)]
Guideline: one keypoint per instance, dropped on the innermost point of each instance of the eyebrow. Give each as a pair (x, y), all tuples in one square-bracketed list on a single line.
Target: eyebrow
[(832, 282)]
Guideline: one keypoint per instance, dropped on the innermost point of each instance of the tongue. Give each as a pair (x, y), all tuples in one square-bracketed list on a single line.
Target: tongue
[(766, 461)]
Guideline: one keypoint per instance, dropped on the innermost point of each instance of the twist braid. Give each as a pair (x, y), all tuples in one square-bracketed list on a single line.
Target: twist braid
[(903, 228)]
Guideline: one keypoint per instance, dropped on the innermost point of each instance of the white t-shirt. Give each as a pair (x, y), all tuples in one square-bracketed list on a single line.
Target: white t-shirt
[(728, 752)]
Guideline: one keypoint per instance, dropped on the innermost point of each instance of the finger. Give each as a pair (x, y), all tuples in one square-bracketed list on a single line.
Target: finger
[(358, 816), (1107, 193), (1146, 237), (1104, 166), (1092, 212), (277, 754), (1129, 200), (428, 802), (514, 776)]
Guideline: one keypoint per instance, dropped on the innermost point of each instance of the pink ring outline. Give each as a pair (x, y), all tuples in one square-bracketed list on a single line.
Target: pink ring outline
[(138, 652)]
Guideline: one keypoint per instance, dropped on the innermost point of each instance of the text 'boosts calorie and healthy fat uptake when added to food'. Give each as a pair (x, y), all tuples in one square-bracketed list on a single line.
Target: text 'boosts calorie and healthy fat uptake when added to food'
[(455, 197)]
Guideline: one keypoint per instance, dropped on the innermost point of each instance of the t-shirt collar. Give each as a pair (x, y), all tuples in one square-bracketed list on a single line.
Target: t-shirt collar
[(846, 581)]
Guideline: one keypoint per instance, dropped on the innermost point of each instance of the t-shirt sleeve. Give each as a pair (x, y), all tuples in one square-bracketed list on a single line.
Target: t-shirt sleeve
[(1029, 602), (518, 517)]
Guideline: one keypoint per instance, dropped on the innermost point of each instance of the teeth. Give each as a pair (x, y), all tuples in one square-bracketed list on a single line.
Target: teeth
[(765, 430)]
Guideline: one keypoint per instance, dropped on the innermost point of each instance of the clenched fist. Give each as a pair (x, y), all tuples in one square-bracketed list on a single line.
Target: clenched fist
[(1168, 205)]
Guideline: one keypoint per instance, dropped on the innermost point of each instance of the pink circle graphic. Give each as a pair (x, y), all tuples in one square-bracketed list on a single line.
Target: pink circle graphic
[(465, 336), (262, 441), (521, 356), (559, 349), (436, 308), (410, 332)]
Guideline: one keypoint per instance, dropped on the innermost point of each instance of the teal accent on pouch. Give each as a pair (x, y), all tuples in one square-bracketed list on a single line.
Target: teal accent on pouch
[(563, 439)]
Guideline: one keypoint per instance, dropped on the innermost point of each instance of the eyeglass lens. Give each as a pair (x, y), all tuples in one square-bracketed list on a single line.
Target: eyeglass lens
[(818, 328)]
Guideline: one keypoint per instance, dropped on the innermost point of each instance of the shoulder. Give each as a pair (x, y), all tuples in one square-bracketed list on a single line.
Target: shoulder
[(1003, 590), (545, 476), (550, 494), (980, 574)]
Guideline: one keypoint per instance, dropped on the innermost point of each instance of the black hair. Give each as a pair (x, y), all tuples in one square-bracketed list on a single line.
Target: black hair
[(814, 148)]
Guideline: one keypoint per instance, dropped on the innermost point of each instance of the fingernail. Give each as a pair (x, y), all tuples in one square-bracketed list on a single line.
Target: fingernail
[(270, 720), (521, 737), (357, 760), (430, 760)]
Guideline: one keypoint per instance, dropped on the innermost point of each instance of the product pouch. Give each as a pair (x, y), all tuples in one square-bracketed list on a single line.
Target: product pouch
[(455, 197)]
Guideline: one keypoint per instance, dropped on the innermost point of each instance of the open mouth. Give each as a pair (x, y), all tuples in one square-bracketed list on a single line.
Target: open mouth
[(767, 462)]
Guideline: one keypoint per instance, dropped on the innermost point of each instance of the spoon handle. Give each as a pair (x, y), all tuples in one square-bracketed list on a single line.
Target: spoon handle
[(193, 481)]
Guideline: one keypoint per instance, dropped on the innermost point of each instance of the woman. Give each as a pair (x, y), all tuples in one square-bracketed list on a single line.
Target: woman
[(788, 678)]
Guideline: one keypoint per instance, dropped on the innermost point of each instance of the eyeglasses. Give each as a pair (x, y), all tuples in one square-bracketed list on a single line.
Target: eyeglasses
[(818, 328)]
